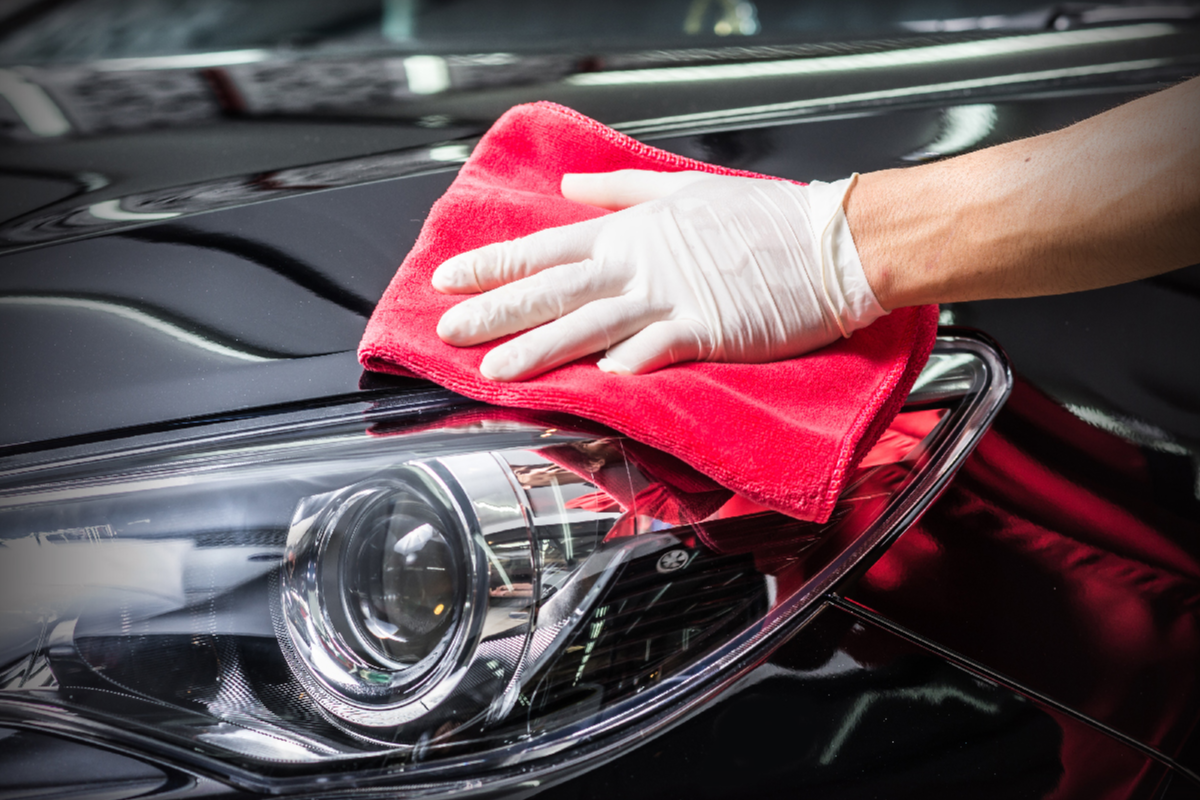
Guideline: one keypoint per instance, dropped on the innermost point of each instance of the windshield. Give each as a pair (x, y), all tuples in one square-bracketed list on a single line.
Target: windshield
[(48, 31)]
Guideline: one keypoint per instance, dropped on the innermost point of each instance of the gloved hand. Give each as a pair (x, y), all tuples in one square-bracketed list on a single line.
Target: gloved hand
[(695, 267)]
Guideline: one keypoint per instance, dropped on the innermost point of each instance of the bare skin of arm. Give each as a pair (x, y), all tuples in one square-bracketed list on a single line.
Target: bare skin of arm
[(1110, 199)]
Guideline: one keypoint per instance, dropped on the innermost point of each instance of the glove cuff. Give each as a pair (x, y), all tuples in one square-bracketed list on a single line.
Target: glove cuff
[(846, 290)]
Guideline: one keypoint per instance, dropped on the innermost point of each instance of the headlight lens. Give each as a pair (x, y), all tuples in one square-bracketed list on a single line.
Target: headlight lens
[(402, 585), (378, 605), (469, 593)]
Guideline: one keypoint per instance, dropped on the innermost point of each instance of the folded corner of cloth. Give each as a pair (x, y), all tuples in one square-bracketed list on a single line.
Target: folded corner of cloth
[(784, 434)]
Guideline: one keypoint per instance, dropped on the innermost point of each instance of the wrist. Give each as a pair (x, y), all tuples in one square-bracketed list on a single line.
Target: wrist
[(866, 219), (842, 283)]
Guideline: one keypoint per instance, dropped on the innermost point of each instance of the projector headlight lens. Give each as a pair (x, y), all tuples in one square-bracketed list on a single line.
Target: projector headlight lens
[(402, 586)]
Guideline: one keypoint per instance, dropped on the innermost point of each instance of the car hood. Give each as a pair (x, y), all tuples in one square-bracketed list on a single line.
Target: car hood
[(210, 240)]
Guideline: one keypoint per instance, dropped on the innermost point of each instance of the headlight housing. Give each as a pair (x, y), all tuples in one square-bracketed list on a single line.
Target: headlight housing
[(428, 593)]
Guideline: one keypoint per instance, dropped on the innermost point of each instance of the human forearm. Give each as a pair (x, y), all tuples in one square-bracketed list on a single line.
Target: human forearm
[(1111, 199), (695, 266)]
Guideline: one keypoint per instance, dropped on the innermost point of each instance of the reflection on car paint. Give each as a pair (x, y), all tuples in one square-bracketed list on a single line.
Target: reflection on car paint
[(1050, 538), (848, 709)]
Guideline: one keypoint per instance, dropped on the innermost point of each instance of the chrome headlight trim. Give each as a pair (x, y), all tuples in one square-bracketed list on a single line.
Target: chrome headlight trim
[(367, 689)]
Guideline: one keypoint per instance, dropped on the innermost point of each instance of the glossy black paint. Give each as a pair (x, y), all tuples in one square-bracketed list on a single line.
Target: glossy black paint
[(30, 761), (101, 336), (283, 288), (846, 709), (32, 765), (1110, 351), (289, 285), (1052, 559)]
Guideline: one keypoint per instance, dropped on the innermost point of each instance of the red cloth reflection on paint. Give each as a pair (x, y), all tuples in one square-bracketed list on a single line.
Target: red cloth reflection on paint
[(784, 548), (1048, 560), (653, 490)]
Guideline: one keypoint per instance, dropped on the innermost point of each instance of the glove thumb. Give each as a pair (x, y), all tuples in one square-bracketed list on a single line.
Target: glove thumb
[(624, 188), (657, 345)]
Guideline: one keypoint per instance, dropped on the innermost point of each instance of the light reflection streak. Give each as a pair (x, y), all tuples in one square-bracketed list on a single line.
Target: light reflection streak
[(427, 74), (135, 315), (111, 209), (939, 367), (749, 114), (255, 744), (934, 695), (495, 562), (963, 127), (222, 58), (32, 105), (1134, 430), (890, 59), (565, 523), (450, 152)]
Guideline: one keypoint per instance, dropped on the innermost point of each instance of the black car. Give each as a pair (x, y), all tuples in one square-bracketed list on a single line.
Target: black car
[(233, 563)]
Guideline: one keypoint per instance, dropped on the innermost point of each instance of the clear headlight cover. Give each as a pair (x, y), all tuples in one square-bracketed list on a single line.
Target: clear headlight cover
[(428, 593)]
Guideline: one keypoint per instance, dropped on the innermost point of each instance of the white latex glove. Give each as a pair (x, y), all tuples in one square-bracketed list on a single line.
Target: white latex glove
[(696, 267)]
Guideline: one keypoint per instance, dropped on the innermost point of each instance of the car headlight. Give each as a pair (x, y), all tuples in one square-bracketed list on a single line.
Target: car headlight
[(424, 593)]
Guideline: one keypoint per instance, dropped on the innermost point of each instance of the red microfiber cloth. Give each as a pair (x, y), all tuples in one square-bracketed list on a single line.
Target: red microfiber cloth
[(785, 434)]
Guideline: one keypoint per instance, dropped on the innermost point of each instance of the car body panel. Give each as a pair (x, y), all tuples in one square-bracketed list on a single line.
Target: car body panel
[(1056, 524), (913, 724)]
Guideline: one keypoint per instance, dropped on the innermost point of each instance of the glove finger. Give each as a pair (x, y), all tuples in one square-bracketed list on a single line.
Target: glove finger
[(593, 327), (526, 303), (658, 345), (504, 262), (625, 187)]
